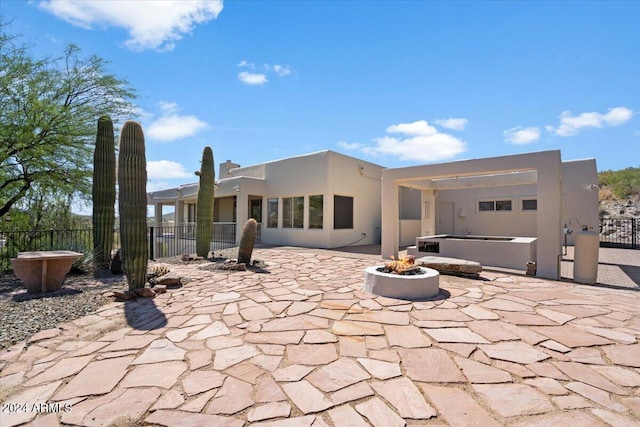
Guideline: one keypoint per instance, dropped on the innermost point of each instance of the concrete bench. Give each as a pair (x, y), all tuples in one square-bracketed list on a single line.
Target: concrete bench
[(43, 271)]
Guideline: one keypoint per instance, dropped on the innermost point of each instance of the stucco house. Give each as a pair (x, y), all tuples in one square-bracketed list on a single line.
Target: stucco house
[(327, 200), (322, 200)]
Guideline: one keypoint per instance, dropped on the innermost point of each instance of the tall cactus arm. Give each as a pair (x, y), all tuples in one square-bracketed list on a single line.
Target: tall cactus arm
[(132, 203), (204, 206)]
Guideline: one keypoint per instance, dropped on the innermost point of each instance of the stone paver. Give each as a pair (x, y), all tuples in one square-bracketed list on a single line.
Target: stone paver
[(306, 345), (405, 396), (464, 412), (306, 397), (379, 414), (510, 400)]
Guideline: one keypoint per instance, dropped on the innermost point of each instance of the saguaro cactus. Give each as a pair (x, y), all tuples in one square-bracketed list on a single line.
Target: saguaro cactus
[(132, 203), (204, 206), (247, 241), (103, 194)]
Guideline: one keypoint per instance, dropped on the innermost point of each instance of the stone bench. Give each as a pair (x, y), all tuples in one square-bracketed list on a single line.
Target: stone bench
[(43, 271), (450, 265)]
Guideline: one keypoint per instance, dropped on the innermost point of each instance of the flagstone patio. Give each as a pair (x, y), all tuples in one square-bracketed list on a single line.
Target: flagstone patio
[(304, 345)]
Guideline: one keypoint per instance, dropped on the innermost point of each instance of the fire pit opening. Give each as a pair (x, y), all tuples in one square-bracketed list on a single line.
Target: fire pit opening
[(402, 279), (404, 266)]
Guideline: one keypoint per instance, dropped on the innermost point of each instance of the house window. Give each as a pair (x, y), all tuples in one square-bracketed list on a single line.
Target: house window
[(503, 205), (342, 212), (292, 212), (495, 205), (316, 216), (272, 213), (529, 205), (486, 206)]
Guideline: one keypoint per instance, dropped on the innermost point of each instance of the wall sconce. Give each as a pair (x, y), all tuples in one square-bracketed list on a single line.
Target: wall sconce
[(237, 188), (462, 213)]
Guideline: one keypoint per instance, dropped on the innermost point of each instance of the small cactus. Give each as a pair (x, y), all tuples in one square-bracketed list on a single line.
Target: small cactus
[(103, 194), (132, 202), (247, 241), (204, 204)]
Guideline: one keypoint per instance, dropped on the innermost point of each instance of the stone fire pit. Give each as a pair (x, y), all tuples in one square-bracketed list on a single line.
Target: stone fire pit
[(424, 283)]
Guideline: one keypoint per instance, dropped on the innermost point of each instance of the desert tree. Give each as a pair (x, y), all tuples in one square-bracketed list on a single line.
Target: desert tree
[(48, 110)]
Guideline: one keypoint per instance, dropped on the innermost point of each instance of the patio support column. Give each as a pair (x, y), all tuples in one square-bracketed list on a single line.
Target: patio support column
[(390, 217), (242, 212), (428, 216), (549, 215), (157, 210)]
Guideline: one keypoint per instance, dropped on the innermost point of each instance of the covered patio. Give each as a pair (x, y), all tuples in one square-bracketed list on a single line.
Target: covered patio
[(544, 169)]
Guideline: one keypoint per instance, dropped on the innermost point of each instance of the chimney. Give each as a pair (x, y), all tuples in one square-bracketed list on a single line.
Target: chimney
[(225, 169)]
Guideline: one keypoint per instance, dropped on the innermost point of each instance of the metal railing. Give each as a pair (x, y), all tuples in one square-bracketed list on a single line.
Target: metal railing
[(172, 240), (616, 232), (12, 242), (164, 241)]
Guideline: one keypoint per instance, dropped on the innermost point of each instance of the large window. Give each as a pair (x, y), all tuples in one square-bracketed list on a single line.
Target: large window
[(272, 213), (342, 212), (292, 212), (316, 216), (495, 205)]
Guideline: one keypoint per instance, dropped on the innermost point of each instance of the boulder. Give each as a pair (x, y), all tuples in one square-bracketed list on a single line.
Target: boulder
[(169, 280), (124, 296), (234, 266), (145, 292), (450, 265)]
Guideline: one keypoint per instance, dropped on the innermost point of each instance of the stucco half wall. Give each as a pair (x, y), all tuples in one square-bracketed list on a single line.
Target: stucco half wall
[(547, 164)]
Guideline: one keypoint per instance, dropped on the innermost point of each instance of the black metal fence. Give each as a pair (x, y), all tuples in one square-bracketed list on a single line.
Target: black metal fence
[(181, 239), (620, 232), (163, 241), (12, 242)]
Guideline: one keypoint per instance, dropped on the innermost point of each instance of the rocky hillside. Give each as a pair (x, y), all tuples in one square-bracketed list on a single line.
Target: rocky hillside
[(610, 205)]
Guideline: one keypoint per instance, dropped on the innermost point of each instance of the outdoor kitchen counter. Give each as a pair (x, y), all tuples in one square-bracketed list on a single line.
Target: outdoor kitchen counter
[(43, 271)]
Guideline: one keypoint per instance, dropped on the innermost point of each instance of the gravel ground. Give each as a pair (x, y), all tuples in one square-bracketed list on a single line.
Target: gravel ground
[(23, 314)]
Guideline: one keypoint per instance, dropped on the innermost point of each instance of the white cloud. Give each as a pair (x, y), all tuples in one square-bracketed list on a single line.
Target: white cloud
[(522, 136), (282, 70), (258, 74), (166, 169), (245, 63), (252, 78), (168, 107), (155, 185), (350, 145), (422, 142), (453, 124), (571, 125), (171, 126), (421, 127), (151, 24)]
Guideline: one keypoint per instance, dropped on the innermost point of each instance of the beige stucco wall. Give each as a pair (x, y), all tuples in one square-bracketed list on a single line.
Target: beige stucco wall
[(465, 202), (361, 180), (580, 195), (224, 208), (325, 173)]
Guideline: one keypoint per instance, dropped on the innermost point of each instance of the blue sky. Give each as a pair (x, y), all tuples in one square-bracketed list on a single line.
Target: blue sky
[(392, 82)]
